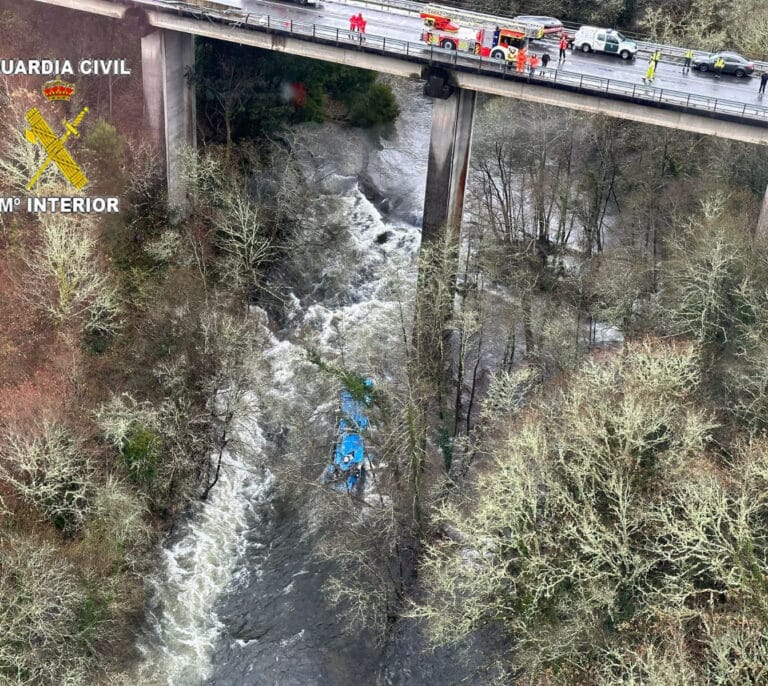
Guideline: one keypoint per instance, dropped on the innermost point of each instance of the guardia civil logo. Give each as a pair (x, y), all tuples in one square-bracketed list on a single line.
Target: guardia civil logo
[(45, 133), (41, 133)]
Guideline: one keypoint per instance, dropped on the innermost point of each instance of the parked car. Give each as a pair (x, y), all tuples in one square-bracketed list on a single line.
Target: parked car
[(551, 25), (594, 39), (734, 63)]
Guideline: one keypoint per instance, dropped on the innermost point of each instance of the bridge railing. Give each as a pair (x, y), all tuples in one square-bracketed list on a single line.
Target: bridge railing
[(411, 8), (552, 77), (421, 53), (646, 46)]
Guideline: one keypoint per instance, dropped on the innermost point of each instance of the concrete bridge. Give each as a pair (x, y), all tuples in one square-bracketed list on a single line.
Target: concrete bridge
[(453, 79)]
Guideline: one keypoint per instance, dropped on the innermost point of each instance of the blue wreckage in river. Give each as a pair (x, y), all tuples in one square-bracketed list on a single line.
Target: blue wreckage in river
[(346, 472)]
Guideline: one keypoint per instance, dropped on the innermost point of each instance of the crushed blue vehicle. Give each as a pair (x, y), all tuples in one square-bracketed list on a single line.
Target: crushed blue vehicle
[(346, 472)]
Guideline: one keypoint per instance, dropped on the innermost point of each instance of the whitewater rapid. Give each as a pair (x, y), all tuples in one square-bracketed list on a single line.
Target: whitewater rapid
[(197, 630)]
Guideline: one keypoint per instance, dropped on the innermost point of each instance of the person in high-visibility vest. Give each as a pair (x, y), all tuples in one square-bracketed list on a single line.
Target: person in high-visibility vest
[(719, 66), (563, 46), (687, 61), (650, 72)]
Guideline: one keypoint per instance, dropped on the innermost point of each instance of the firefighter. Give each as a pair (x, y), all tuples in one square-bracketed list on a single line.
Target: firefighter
[(521, 60), (533, 63)]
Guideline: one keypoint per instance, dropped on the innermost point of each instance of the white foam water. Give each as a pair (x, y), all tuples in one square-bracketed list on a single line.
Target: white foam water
[(206, 560), (182, 626)]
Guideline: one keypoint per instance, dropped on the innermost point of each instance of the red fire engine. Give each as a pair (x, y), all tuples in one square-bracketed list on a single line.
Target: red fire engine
[(501, 42)]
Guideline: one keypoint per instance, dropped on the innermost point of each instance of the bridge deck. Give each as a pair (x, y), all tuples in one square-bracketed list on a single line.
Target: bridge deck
[(613, 97)]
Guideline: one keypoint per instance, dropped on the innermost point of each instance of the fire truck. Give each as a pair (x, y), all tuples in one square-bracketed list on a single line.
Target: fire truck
[(470, 32)]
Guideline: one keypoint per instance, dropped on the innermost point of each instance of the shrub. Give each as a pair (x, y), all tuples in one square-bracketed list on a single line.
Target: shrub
[(50, 472), (117, 531), (139, 453), (41, 618), (377, 106), (107, 152)]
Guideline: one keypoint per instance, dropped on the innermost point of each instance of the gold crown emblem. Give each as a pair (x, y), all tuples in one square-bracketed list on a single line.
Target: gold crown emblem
[(58, 90)]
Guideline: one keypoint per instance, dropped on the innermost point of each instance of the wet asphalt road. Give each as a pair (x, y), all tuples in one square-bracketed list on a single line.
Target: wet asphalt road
[(394, 26)]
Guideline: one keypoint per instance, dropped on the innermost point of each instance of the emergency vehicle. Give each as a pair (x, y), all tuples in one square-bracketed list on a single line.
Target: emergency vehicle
[(450, 29)]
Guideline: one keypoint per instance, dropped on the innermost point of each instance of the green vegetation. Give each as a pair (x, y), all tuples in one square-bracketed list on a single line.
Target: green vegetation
[(106, 148), (600, 508), (246, 94), (376, 106), (94, 611), (352, 381), (140, 454)]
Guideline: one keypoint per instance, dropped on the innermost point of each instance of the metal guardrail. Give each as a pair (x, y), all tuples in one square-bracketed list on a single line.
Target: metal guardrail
[(645, 46), (430, 55), (411, 8)]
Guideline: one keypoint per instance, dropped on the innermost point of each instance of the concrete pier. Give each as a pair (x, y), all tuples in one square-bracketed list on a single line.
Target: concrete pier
[(169, 100), (449, 148)]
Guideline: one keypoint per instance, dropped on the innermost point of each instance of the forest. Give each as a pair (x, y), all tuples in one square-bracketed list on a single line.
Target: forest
[(573, 419)]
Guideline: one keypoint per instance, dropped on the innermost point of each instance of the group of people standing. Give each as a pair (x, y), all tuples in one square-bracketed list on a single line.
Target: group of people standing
[(525, 59), (532, 61), (357, 23), (717, 66), (650, 72)]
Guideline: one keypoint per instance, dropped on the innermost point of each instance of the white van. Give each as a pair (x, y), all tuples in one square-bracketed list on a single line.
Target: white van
[(591, 38)]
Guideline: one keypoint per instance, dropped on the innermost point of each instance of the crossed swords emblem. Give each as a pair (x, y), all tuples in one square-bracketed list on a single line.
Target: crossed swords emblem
[(41, 132)]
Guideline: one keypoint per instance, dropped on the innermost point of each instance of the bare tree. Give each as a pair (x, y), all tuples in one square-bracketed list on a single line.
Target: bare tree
[(117, 532), (229, 345), (368, 580), (707, 280), (21, 158), (65, 278), (49, 470), (602, 537), (39, 615), (162, 446), (709, 25), (241, 236)]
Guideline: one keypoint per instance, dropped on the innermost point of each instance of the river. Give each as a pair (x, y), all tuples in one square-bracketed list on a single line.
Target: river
[(238, 599)]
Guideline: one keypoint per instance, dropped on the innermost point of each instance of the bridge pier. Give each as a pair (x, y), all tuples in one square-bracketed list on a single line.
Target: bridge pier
[(449, 146), (169, 100)]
